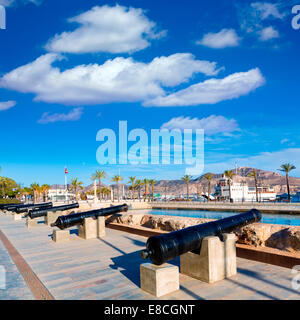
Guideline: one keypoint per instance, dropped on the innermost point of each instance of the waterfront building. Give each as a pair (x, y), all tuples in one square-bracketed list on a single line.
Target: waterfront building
[(241, 192), (60, 194)]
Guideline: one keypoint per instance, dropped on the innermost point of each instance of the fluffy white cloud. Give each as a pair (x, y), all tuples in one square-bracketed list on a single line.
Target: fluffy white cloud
[(107, 29), (117, 80), (211, 125), (7, 105), (73, 115), (257, 17), (268, 34), (224, 38), (267, 10), (213, 90)]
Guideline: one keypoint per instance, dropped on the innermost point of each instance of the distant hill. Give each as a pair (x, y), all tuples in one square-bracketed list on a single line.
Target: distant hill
[(177, 187), (266, 178)]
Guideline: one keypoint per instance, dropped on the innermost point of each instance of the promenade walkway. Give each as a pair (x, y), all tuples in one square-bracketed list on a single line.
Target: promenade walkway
[(109, 269)]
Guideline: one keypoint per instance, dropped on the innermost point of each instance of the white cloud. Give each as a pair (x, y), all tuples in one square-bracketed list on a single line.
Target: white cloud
[(213, 90), (257, 18), (284, 141), (267, 10), (212, 125), (265, 160), (117, 80), (7, 105), (268, 34), (107, 29), (224, 38), (73, 115)]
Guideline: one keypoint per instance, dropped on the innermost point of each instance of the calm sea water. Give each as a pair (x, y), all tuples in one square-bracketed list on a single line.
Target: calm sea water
[(266, 218)]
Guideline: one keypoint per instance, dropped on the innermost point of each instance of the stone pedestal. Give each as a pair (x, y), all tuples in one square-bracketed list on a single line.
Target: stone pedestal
[(17, 217), (216, 261), (92, 228), (61, 235), (88, 230), (159, 280), (31, 222), (101, 227), (51, 217)]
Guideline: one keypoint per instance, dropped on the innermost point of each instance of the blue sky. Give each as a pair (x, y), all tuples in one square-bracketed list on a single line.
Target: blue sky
[(71, 68)]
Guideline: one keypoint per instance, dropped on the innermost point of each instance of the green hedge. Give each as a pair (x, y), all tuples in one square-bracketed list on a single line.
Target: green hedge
[(7, 201)]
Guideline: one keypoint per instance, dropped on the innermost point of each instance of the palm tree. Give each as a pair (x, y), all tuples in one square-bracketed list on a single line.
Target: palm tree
[(44, 190), (138, 185), (35, 187), (229, 175), (99, 175), (187, 178), (208, 177), (152, 183), (105, 191), (3, 185), (117, 179), (287, 168), (75, 185), (254, 174), (146, 184), (132, 181)]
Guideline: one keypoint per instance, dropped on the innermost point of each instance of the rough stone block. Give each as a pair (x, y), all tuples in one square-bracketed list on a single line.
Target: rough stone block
[(61, 235), (17, 217), (101, 227), (159, 280), (216, 261), (31, 222), (51, 217), (88, 230)]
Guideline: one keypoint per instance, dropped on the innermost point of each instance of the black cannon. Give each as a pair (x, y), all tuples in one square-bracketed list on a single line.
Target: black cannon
[(14, 207), (64, 222), (165, 247), (42, 212), (4, 206), (26, 207)]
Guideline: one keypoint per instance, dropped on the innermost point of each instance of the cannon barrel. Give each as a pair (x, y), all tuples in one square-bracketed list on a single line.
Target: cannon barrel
[(42, 212), (14, 207), (74, 219), (165, 247), (4, 206), (33, 206)]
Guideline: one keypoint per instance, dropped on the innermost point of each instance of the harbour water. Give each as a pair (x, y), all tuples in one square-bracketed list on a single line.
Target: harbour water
[(285, 219)]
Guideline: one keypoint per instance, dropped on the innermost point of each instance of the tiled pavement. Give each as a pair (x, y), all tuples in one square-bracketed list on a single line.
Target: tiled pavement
[(109, 269), (11, 279)]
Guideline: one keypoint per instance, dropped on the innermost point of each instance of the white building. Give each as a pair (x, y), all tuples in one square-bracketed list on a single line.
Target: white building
[(241, 192), (60, 194)]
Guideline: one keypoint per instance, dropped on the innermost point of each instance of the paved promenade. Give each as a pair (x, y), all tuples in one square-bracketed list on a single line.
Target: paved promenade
[(109, 269)]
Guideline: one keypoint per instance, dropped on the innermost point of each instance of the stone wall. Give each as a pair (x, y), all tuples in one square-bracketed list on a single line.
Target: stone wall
[(281, 237)]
